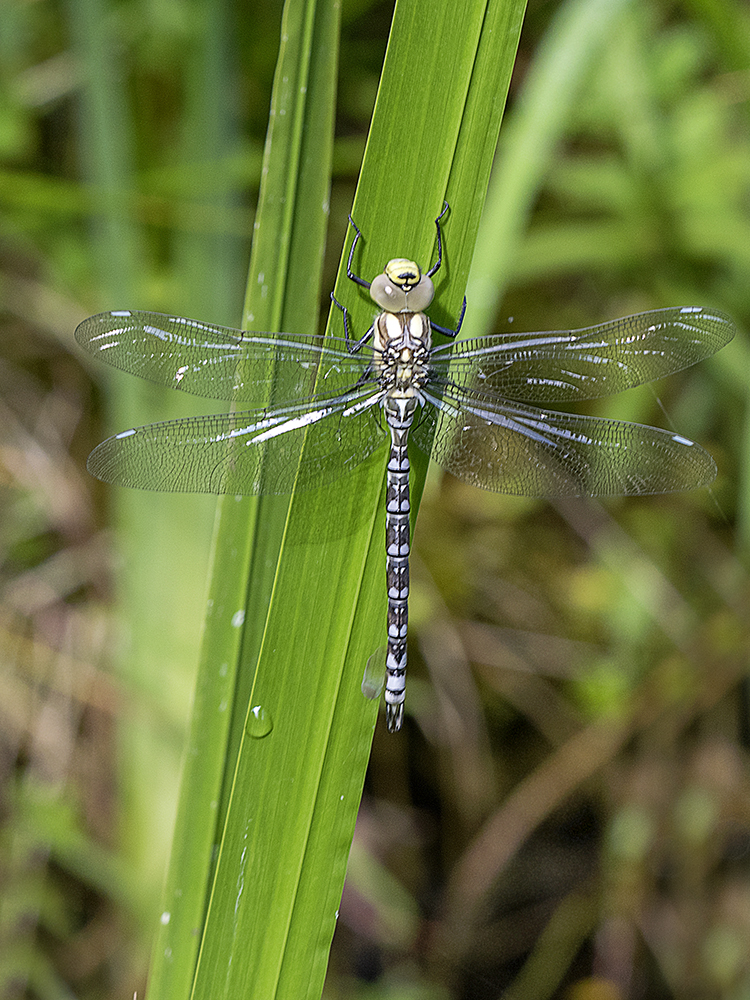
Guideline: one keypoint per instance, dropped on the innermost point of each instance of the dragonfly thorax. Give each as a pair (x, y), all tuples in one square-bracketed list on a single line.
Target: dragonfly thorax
[(402, 347), (402, 287)]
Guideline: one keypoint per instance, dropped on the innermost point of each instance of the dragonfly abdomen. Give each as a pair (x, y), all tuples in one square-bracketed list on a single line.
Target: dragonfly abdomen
[(397, 543)]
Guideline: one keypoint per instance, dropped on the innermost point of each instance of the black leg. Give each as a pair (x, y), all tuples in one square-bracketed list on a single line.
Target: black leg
[(439, 261), (446, 331), (351, 346), (349, 273)]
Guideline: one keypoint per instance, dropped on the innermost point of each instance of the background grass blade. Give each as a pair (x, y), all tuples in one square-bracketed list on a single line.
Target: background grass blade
[(151, 650), (528, 145)]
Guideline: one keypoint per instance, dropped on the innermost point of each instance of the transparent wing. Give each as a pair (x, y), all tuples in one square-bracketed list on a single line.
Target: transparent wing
[(218, 362), (522, 450), (583, 364), (257, 451)]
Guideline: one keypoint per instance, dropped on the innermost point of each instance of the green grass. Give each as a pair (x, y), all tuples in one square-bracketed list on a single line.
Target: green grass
[(287, 251), (284, 805)]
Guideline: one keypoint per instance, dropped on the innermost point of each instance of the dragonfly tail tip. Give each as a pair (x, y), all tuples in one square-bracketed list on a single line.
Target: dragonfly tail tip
[(394, 717)]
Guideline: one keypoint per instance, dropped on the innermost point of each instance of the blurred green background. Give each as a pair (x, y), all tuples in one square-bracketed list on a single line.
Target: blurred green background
[(567, 813)]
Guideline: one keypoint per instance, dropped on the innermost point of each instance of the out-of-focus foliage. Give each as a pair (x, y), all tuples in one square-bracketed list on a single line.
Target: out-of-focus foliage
[(567, 813)]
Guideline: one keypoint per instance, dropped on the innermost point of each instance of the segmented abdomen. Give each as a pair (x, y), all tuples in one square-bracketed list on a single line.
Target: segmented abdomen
[(397, 574)]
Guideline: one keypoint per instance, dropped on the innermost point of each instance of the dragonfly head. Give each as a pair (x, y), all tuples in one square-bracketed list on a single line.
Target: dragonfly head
[(402, 287)]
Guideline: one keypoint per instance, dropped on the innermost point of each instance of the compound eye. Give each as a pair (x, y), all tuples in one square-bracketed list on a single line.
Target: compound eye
[(387, 294), (422, 294)]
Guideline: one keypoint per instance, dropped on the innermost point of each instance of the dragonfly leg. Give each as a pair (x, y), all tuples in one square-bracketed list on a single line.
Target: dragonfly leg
[(349, 273), (352, 345), (445, 330), (436, 266)]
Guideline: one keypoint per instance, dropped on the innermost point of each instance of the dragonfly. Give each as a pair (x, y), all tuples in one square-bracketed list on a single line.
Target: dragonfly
[(479, 407)]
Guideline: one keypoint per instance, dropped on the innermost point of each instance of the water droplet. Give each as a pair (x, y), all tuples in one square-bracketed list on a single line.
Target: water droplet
[(259, 722), (374, 675)]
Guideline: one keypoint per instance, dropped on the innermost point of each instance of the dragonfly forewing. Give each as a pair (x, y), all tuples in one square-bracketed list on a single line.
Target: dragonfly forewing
[(583, 364), (220, 363)]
